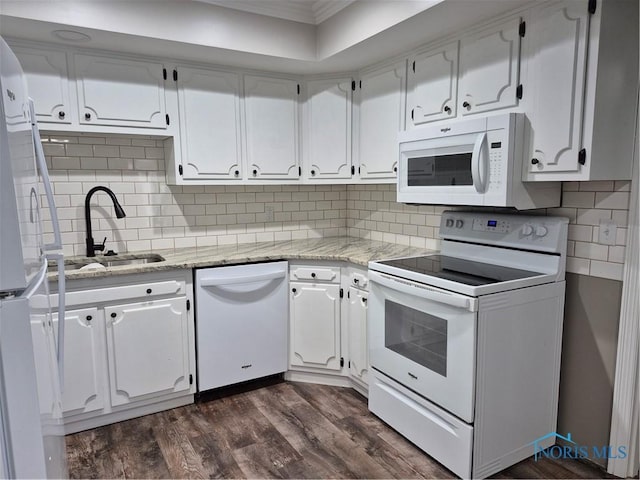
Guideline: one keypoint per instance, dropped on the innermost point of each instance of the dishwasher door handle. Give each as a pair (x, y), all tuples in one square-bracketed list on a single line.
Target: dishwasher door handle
[(220, 282)]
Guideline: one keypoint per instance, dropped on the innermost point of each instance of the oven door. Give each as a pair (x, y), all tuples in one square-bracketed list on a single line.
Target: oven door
[(450, 170), (425, 339)]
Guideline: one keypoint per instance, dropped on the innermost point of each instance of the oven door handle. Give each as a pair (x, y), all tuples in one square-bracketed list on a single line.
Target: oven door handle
[(429, 293)]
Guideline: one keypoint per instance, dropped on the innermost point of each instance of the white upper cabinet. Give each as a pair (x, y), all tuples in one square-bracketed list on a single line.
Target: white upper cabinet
[(114, 91), (559, 36), (327, 129), (48, 83), (489, 69), (381, 115), (433, 84), (272, 127), (584, 74), (209, 105), (148, 349)]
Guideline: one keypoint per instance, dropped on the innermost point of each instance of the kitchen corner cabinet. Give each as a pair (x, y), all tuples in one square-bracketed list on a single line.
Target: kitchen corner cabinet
[(381, 115), (210, 135), (271, 123), (129, 347), (327, 129), (315, 304), (119, 92), (433, 85), (584, 72), (489, 69), (48, 83), (148, 349)]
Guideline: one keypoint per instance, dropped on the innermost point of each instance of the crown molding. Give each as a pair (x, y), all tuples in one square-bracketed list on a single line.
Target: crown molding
[(312, 12)]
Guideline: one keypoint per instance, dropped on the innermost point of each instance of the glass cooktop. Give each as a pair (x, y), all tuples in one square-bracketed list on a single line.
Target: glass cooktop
[(459, 270)]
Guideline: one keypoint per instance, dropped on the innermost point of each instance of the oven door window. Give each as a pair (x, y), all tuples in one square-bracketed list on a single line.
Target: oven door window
[(416, 335), (439, 170)]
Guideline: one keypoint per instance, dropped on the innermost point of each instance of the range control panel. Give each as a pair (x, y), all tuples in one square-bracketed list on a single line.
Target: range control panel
[(534, 232)]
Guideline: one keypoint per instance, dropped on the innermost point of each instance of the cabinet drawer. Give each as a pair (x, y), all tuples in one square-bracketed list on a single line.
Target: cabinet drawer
[(315, 274), (111, 294), (358, 280), (433, 430)]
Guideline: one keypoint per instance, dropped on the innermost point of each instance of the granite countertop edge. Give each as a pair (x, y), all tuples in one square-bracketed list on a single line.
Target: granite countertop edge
[(353, 250)]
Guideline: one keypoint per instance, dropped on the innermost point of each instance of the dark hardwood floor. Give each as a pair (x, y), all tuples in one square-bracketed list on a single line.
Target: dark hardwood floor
[(286, 430)]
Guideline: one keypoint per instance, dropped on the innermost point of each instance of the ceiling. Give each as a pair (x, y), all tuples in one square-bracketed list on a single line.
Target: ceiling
[(313, 12), (354, 33)]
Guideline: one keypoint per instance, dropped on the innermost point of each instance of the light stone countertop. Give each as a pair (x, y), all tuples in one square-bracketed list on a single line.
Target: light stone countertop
[(347, 249)]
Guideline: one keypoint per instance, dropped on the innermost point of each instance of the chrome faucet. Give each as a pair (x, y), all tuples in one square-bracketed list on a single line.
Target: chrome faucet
[(91, 245)]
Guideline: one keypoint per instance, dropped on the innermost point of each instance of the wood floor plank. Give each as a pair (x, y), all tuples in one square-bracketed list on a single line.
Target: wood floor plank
[(90, 454), (178, 452), (334, 404), (217, 460), (237, 421), (286, 430), (304, 427), (139, 452)]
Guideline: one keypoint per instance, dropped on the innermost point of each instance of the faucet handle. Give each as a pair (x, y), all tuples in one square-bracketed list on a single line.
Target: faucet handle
[(101, 246)]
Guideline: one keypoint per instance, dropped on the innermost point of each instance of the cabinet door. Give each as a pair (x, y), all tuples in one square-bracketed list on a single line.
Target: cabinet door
[(381, 117), (490, 69), (559, 36), (48, 83), (84, 361), (271, 129), (433, 84), (358, 345), (209, 105), (328, 128), (148, 349), (118, 92), (315, 325)]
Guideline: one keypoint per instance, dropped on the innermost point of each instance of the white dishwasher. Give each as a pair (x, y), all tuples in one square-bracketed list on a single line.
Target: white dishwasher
[(241, 323)]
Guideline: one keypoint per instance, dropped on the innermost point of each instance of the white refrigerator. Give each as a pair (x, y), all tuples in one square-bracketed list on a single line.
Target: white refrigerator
[(32, 434)]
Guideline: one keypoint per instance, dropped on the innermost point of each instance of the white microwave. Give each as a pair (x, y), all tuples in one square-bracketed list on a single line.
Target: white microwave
[(470, 162)]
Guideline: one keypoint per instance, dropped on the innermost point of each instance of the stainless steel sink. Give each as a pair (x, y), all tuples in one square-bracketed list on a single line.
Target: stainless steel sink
[(110, 261), (131, 260)]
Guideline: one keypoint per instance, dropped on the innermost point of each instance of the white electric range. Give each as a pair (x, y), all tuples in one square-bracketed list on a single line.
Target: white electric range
[(465, 344)]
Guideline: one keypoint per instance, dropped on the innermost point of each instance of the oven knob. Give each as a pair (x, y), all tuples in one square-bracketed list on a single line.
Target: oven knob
[(527, 230), (459, 223), (541, 231), (449, 222)]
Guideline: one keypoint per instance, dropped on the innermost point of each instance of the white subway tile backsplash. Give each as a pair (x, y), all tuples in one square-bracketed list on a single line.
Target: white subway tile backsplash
[(613, 200), (578, 199), (161, 216), (606, 270), (592, 251)]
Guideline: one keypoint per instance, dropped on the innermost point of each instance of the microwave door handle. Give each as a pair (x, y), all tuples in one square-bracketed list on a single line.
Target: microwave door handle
[(479, 163)]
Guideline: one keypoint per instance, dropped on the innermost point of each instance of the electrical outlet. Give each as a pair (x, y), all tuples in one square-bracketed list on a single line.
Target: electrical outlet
[(268, 213), (607, 232)]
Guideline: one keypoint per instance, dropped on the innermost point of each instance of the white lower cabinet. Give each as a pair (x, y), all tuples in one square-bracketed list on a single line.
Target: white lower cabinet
[(148, 349), (315, 325), (129, 347), (358, 345), (328, 324), (84, 361)]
